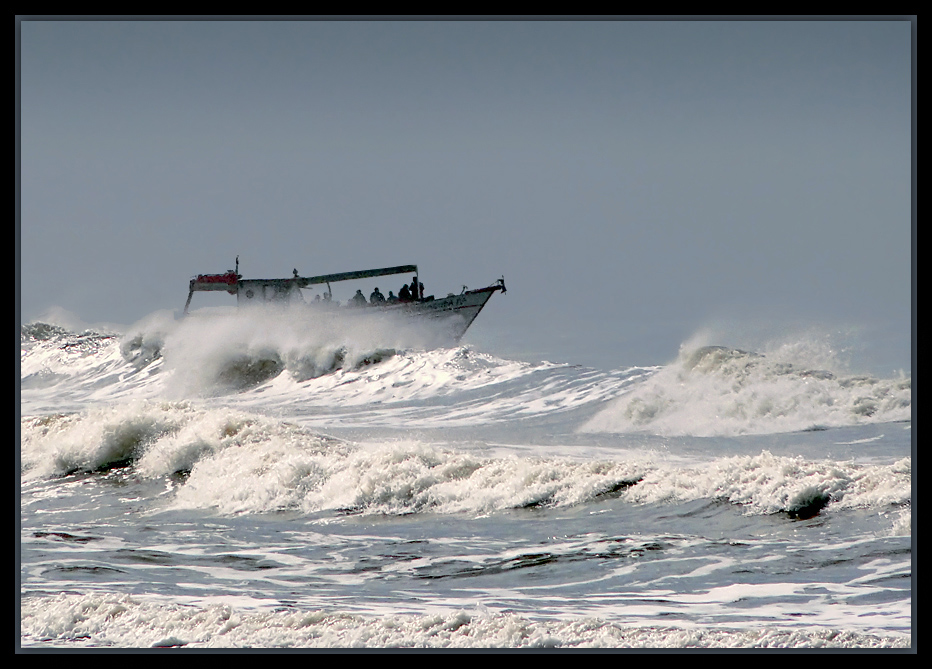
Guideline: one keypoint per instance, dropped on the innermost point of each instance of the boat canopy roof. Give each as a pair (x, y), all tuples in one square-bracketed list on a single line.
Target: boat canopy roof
[(304, 281)]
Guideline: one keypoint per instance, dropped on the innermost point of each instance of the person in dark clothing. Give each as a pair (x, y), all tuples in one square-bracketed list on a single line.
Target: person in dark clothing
[(358, 300), (413, 289), (376, 297), (404, 295)]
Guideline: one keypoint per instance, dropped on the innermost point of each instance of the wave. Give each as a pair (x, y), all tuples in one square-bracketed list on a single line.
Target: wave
[(95, 620), (720, 391), (399, 376), (768, 484), (235, 463), (366, 380)]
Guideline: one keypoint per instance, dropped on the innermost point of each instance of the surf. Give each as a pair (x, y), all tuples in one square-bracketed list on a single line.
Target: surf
[(413, 377), (721, 391)]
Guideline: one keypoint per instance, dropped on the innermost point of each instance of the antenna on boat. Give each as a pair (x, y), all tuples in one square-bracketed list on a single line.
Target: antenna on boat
[(237, 265)]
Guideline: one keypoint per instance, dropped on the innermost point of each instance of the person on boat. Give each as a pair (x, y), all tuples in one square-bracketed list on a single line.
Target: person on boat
[(358, 300), (376, 297), (413, 288), (404, 295), (391, 299)]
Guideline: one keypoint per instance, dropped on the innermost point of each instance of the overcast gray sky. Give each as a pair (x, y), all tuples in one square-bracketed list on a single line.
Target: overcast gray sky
[(634, 181)]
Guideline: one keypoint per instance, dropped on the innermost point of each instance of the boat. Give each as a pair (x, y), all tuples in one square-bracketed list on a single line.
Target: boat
[(458, 310)]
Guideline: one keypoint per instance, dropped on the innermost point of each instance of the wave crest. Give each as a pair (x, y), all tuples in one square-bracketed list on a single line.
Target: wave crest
[(720, 391), (235, 463)]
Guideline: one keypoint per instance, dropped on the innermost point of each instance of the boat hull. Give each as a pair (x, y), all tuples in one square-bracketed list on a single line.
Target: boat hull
[(458, 311)]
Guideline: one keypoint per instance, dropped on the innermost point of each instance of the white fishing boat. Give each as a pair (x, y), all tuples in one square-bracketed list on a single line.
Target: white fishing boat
[(459, 310)]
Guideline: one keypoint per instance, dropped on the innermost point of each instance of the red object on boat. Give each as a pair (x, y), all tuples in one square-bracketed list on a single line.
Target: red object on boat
[(229, 278)]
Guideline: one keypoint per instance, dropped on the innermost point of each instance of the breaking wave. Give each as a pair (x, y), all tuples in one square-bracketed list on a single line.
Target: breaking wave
[(410, 376), (224, 351), (234, 463), (720, 391), (97, 620), (249, 364)]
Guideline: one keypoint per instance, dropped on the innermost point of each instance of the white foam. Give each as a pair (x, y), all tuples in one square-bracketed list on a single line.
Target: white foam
[(246, 463), (716, 391), (394, 478), (766, 483), (102, 620), (60, 444)]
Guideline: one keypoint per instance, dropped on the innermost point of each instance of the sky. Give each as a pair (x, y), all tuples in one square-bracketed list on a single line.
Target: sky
[(635, 182)]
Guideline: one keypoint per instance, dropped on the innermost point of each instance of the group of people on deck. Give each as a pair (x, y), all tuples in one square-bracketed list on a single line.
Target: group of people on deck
[(408, 293)]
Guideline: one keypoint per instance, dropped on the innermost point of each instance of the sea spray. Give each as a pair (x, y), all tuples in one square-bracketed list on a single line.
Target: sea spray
[(721, 391), (220, 351)]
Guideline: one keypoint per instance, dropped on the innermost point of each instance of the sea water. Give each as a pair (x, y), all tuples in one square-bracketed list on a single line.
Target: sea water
[(226, 481)]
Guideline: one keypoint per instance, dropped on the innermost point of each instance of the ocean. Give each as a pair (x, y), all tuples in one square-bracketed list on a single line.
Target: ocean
[(272, 480)]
